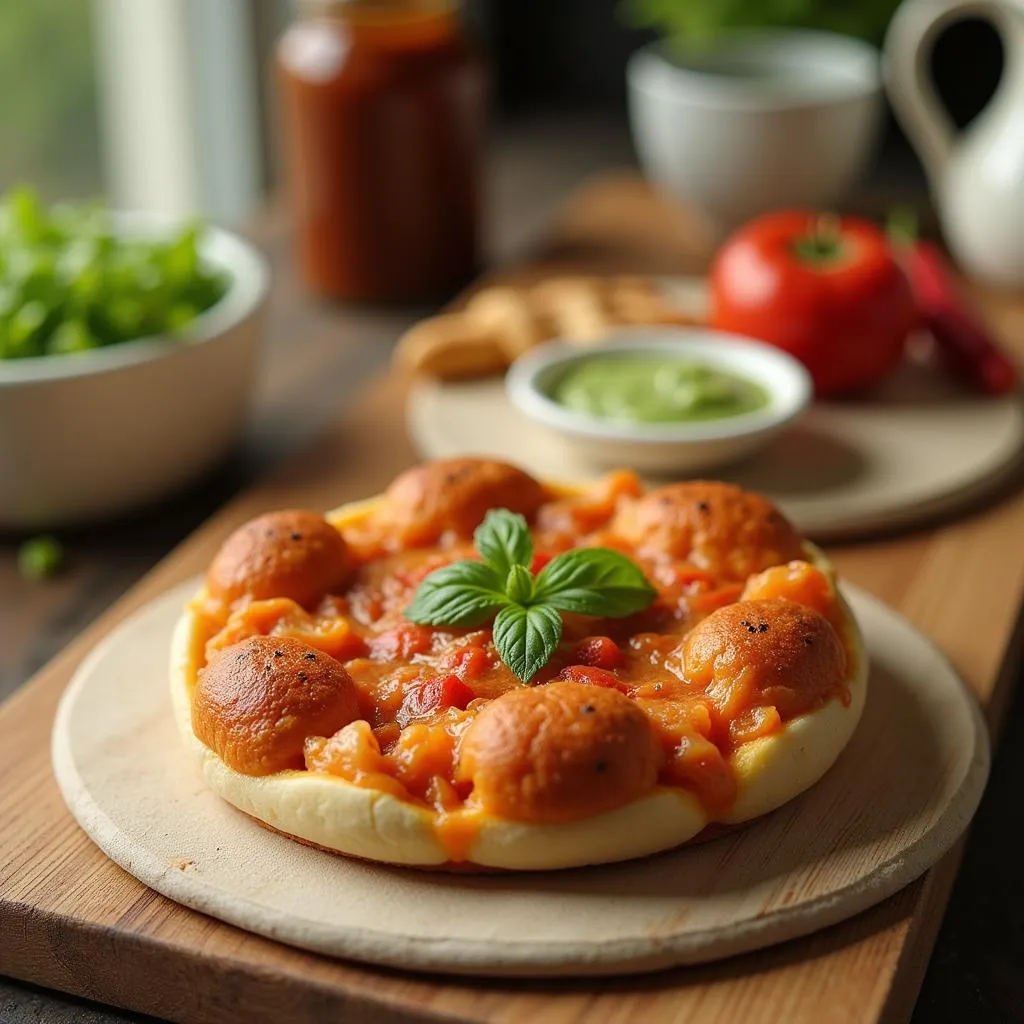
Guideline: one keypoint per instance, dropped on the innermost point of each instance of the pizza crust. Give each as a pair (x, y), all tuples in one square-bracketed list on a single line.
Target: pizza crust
[(335, 814)]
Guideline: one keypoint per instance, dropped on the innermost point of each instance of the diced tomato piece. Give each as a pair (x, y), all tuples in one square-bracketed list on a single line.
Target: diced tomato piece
[(712, 600), (455, 694), (435, 695), (797, 581), (469, 662), (402, 642), (540, 559), (343, 645), (693, 579), (591, 508), (599, 652), (593, 677)]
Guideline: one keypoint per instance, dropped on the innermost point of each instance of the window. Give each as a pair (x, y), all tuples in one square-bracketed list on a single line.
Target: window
[(155, 103), (49, 128)]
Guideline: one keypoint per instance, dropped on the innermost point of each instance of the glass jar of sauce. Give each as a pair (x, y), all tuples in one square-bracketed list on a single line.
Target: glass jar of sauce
[(383, 109)]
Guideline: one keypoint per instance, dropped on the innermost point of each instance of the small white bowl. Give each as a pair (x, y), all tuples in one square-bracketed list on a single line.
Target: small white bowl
[(92, 434), (665, 447)]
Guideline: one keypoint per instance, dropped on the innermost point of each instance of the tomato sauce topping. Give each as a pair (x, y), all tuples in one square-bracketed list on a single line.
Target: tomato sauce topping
[(687, 680)]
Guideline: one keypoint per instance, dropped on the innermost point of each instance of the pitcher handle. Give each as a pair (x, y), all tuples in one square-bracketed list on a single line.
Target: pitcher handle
[(912, 33)]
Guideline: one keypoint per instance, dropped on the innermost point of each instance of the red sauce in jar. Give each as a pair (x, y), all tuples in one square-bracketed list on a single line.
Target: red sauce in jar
[(383, 109)]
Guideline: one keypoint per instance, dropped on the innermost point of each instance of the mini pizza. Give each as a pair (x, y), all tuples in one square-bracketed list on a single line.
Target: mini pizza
[(478, 669)]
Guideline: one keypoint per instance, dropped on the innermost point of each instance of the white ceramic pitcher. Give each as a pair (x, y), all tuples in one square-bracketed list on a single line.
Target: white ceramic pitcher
[(976, 176)]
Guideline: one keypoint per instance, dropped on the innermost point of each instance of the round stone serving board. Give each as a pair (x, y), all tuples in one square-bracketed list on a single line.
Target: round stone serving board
[(917, 447), (898, 797)]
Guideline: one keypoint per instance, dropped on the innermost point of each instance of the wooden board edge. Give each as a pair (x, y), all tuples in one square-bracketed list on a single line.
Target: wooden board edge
[(41, 949), (925, 922), (930, 908)]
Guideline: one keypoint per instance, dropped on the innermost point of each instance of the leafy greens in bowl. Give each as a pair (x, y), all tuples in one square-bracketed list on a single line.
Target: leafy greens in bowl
[(73, 280), (97, 421)]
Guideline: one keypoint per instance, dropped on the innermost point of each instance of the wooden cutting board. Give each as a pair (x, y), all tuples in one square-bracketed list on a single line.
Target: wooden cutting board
[(895, 801), (70, 919)]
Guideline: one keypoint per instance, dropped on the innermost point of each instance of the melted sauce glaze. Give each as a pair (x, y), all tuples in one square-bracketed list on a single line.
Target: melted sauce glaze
[(411, 750)]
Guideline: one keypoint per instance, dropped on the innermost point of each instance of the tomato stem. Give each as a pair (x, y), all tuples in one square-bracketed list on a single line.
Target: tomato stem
[(823, 243)]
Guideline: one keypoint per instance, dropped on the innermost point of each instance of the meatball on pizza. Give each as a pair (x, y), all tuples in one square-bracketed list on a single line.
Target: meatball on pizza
[(479, 669)]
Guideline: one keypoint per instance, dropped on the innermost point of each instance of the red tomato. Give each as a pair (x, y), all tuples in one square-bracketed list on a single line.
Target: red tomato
[(402, 642), (593, 677), (599, 652), (435, 695), (827, 290), (469, 662)]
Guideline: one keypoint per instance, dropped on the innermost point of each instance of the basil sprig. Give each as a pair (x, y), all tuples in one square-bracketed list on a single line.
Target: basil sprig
[(527, 609)]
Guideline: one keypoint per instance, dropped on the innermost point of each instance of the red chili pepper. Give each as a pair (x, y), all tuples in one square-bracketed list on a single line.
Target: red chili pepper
[(435, 695), (593, 677), (963, 341), (599, 652)]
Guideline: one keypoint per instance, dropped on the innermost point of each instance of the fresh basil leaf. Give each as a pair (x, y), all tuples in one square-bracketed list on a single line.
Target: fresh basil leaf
[(593, 581), (527, 637), (461, 594), (519, 585), (503, 540)]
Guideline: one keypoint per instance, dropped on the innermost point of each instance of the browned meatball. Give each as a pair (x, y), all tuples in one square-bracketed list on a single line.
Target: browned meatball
[(256, 703), (718, 527), (453, 496), (559, 752), (773, 653), (294, 554)]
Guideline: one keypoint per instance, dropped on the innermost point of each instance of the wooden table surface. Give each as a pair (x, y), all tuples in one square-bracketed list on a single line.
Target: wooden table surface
[(319, 356)]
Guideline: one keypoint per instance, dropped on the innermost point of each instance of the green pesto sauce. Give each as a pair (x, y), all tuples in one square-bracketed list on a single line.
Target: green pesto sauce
[(654, 389)]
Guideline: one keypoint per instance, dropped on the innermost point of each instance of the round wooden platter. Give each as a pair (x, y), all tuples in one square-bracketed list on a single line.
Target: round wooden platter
[(916, 448), (896, 800)]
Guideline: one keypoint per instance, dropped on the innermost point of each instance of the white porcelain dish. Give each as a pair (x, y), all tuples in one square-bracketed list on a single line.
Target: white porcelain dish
[(97, 433), (684, 447)]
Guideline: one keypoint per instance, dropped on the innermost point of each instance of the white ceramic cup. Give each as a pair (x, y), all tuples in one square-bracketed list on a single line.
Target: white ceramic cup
[(765, 120)]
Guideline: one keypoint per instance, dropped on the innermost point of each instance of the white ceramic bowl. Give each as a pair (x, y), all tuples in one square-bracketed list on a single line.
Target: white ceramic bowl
[(92, 434), (766, 119), (685, 447)]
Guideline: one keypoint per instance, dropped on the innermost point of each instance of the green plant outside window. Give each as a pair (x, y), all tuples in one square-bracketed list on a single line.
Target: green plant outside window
[(701, 22)]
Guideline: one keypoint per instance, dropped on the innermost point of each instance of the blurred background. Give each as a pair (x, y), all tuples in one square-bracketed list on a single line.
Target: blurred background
[(170, 104)]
